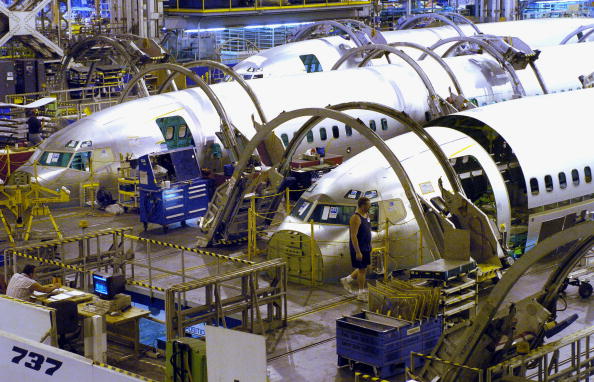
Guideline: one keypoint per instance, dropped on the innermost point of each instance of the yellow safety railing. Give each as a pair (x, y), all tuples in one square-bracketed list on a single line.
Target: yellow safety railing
[(479, 373), (253, 216)]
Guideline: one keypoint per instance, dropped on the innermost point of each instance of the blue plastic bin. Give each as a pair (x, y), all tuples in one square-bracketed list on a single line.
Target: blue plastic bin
[(387, 348)]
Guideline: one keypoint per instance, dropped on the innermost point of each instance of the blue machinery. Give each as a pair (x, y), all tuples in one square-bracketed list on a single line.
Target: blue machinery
[(172, 188)]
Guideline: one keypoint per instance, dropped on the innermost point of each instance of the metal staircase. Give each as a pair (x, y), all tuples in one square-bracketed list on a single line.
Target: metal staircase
[(224, 224)]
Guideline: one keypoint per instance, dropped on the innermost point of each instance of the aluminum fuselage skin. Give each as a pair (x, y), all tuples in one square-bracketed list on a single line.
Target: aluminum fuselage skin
[(548, 135), (131, 127), (285, 59)]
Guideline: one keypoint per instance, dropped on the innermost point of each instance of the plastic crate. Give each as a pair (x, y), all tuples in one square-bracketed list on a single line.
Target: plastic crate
[(385, 347)]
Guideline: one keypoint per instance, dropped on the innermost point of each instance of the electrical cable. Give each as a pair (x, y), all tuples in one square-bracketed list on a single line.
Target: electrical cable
[(562, 297)]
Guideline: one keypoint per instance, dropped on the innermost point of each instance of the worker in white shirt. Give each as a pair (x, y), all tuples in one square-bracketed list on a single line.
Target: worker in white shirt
[(22, 285)]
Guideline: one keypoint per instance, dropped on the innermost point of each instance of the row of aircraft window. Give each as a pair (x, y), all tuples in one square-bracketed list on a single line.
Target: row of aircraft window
[(348, 131), (548, 180)]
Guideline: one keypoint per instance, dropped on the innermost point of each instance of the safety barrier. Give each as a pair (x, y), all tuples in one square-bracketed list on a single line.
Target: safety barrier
[(473, 370), (247, 301), (107, 252), (148, 262), (570, 358), (125, 372), (359, 377), (261, 223)]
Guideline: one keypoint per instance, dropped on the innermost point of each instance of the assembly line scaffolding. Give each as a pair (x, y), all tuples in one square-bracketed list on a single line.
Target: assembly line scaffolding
[(232, 285), (569, 358)]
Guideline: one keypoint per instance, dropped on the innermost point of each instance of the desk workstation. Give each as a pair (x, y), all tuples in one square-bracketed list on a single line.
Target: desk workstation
[(73, 307)]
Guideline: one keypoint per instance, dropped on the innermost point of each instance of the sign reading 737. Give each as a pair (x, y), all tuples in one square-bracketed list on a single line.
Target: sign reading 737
[(35, 361)]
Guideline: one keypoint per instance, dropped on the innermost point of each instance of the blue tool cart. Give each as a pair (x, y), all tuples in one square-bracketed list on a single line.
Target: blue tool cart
[(171, 187)]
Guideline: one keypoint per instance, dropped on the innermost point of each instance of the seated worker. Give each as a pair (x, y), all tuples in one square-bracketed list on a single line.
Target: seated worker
[(22, 285)]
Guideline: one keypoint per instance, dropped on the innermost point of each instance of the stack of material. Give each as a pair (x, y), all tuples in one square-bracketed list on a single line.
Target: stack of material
[(404, 300)]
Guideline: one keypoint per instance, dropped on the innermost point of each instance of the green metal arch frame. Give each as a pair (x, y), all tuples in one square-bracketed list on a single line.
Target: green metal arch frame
[(325, 113), (399, 116), (532, 63), (582, 235), (225, 123), (306, 31), (414, 20), (228, 71), (515, 81), (578, 31), (429, 52), (80, 47), (406, 58)]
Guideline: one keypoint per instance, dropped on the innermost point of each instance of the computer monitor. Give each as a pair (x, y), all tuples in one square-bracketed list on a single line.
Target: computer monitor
[(106, 287)]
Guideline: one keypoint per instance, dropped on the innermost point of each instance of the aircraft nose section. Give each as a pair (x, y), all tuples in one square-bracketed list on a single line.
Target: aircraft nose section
[(45, 176), (302, 254), (51, 177)]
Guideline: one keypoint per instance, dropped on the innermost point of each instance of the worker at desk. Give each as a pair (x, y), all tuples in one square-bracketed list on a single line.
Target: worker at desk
[(22, 285)]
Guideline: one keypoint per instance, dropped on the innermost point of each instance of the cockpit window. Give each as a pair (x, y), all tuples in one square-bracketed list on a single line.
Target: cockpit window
[(72, 144), (86, 144), (337, 214), (301, 209), (81, 161), (329, 214), (352, 194), (54, 159), (311, 63)]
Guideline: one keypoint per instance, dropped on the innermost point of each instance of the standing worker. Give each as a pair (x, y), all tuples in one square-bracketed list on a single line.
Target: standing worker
[(360, 247), (34, 125), (22, 285)]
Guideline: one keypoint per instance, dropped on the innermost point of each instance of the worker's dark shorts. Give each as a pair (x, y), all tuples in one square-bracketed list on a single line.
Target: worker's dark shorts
[(364, 262)]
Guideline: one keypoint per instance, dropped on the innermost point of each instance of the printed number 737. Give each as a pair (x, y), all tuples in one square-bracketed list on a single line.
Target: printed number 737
[(36, 360)]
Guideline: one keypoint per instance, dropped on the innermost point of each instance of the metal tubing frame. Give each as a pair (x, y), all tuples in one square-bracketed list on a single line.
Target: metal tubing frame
[(412, 21), (247, 42), (515, 81), (406, 58), (426, 50), (576, 32), (399, 116), (225, 123), (542, 352), (228, 71), (453, 16), (582, 237), (532, 63), (86, 44), (175, 322), (305, 32), (356, 124)]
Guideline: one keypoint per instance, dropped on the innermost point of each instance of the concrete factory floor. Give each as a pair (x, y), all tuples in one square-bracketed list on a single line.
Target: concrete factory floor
[(303, 351)]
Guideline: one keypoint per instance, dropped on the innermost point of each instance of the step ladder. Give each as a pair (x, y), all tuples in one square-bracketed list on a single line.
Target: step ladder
[(227, 214)]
